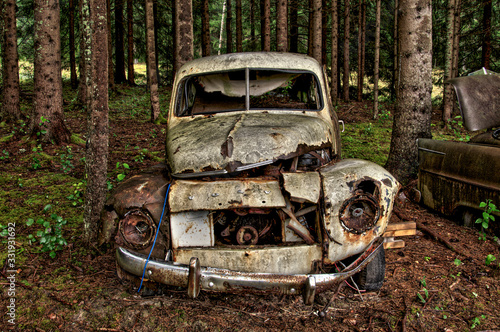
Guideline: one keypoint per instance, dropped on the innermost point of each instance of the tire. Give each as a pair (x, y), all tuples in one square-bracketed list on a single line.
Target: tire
[(372, 277)]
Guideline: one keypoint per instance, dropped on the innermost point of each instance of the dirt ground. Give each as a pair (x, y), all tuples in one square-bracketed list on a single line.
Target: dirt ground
[(428, 286)]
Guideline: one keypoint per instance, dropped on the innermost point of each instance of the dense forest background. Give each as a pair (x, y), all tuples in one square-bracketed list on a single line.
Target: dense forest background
[(479, 32)]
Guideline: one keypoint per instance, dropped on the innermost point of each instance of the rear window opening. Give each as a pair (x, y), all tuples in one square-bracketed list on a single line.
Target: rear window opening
[(248, 89)]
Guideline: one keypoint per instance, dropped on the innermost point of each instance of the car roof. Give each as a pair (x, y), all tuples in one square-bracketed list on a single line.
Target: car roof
[(256, 60)]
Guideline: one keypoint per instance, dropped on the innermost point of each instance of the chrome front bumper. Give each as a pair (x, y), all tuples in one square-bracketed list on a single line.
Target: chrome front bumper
[(194, 277)]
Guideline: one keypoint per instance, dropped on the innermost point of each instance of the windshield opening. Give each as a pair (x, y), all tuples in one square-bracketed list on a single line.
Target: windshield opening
[(248, 90)]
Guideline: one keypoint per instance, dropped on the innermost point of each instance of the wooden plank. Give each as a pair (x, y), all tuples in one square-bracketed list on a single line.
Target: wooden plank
[(394, 244), (401, 225), (403, 232)]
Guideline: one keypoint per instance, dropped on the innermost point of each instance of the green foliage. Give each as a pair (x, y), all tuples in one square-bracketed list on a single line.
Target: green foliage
[(476, 321), (487, 216), (77, 196), (490, 259), (4, 155), (36, 164), (425, 297), (122, 168), (65, 159), (50, 237), (457, 262)]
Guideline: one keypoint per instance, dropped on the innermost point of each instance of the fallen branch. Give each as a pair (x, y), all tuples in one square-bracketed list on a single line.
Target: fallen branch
[(439, 238)]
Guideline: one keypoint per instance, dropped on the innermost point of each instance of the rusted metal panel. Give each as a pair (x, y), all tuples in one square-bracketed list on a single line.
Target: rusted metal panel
[(478, 96), (268, 259), (227, 141), (192, 228), (455, 174), (342, 181), (189, 195), (303, 187)]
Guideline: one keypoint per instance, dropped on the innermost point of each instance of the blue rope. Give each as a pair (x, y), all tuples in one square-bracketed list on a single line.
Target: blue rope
[(156, 235)]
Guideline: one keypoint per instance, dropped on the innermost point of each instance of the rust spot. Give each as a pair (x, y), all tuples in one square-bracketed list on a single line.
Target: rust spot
[(226, 149)]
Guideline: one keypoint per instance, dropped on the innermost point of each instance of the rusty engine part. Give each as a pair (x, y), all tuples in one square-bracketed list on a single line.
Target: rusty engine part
[(136, 229), (242, 227)]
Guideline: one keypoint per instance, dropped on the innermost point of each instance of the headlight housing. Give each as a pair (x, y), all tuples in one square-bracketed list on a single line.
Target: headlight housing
[(137, 229)]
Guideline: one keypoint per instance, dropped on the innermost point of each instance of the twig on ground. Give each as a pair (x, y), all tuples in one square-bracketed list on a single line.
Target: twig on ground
[(441, 239)]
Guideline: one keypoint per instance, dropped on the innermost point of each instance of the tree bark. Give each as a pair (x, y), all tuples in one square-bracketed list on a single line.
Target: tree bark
[(347, 10), (412, 118), (266, 25), (294, 26), (448, 67), (72, 48), (10, 65), (281, 25), (229, 30), (239, 27), (205, 29), (361, 47), (486, 47), (253, 39), (119, 44), (151, 59), (456, 39), (111, 74), (317, 30), (130, 43), (85, 49), (47, 120), (377, 60), (324, 31), (310, 29), (183, 33), (335, 56), (395, 70), (96, 158)]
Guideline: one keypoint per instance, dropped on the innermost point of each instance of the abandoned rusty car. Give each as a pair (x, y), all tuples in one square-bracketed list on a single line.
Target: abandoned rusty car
[(254, 194), (455, 177)]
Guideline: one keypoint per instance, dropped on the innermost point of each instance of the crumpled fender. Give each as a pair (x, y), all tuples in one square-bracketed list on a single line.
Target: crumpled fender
[(144, 191), (348, 180)]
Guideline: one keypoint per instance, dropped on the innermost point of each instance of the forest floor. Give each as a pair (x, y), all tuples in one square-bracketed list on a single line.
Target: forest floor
[(428, 287)]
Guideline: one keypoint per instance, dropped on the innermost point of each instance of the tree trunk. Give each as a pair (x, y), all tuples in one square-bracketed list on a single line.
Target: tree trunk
[(151, 59), (223, 15), (183, 32), (456, 39), (205, 29), (96, 158), (84, 52), (47, 120), (72, 48), (119, 43), (361, 48), (486, 47), (281, 25), (10, 65), (266, 25), (111, 74), (310, 28), (324, 31), (317, 38), (253, 39), (448, 67), (347, 10), (294, 26), (130, 43), (335, 55), (412, 118), (229, 31), (239, 27), (377, 60), (395, 70)]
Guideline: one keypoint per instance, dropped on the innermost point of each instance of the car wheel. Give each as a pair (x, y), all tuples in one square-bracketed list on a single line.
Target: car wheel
[(372, 277)]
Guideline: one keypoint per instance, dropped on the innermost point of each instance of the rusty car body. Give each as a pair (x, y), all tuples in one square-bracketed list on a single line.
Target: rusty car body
[(254, 194), (455, 177)]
